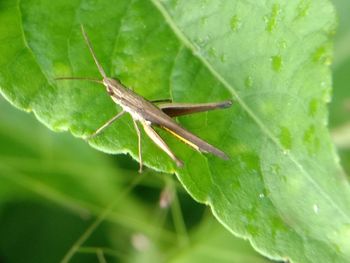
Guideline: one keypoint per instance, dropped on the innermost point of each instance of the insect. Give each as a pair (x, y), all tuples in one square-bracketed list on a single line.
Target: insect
[(150, 114)]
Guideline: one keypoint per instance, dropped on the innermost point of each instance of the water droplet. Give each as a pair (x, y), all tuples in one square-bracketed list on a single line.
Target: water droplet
[(271, 20), (204, 20), (261, 195), (312, 143), (248, 82), (331, 32), (235, 23), (309, 135), (201, 42), (286, 151), (223, 58), (285, 138), (322, 55), (303, 8), (283, 44), (326, 93), (275, 169), (276, 63), (313, 107), (316, 208), (212, 52)]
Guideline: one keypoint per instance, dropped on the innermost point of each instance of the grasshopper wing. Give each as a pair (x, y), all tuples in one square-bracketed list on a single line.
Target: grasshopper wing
[(179, 109), (191, 139)]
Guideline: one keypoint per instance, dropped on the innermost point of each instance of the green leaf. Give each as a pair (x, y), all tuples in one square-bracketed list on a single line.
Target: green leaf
[(282, 188)]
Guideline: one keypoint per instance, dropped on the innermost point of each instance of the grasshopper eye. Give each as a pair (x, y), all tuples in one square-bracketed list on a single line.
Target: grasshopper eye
[(109, 90)]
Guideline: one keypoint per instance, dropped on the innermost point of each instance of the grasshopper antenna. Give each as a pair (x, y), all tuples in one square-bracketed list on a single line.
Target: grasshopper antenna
[(87, 40)]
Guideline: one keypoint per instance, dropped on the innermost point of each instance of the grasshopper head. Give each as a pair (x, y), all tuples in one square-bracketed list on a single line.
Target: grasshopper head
[(113, 86)]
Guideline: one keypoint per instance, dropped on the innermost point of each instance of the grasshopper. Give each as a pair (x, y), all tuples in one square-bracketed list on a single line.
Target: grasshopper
[(150, 113)]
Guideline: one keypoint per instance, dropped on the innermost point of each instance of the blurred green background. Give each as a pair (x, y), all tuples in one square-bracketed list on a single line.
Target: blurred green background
[(53, 186), (339, 115)]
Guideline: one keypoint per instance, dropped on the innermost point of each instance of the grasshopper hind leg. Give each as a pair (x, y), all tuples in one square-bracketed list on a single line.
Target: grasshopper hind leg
[(160, 143)]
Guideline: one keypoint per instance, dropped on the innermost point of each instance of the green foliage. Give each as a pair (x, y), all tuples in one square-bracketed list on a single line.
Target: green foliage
[(282, 188)]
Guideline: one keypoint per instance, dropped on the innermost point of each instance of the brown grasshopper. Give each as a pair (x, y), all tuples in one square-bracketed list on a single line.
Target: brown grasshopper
[(149, 114)]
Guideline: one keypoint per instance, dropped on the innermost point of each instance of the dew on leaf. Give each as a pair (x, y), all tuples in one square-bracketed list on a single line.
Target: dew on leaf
[(309, 135), (313, 107), (285, 138), (249, 162), (283, 44), (248, 82), (286, 151), (322, 55), (276, 63), (204, 20), (200, 42), (261, 195), (303, 8), (268, 107), (212, 52), (275, 169), (326, 93), (235, 23), (223, 58), (315, 208), (311, 142), (203, 42), (271, 20)]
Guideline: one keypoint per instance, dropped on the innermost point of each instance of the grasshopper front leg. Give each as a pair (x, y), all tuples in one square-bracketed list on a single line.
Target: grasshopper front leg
[(104, 126)]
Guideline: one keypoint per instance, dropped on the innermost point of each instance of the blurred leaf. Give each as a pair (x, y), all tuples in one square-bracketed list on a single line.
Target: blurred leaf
[(220, 247), (33, 232), (43, 211), (52, 188), (342, 38), (340, 105), (282, 189)]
